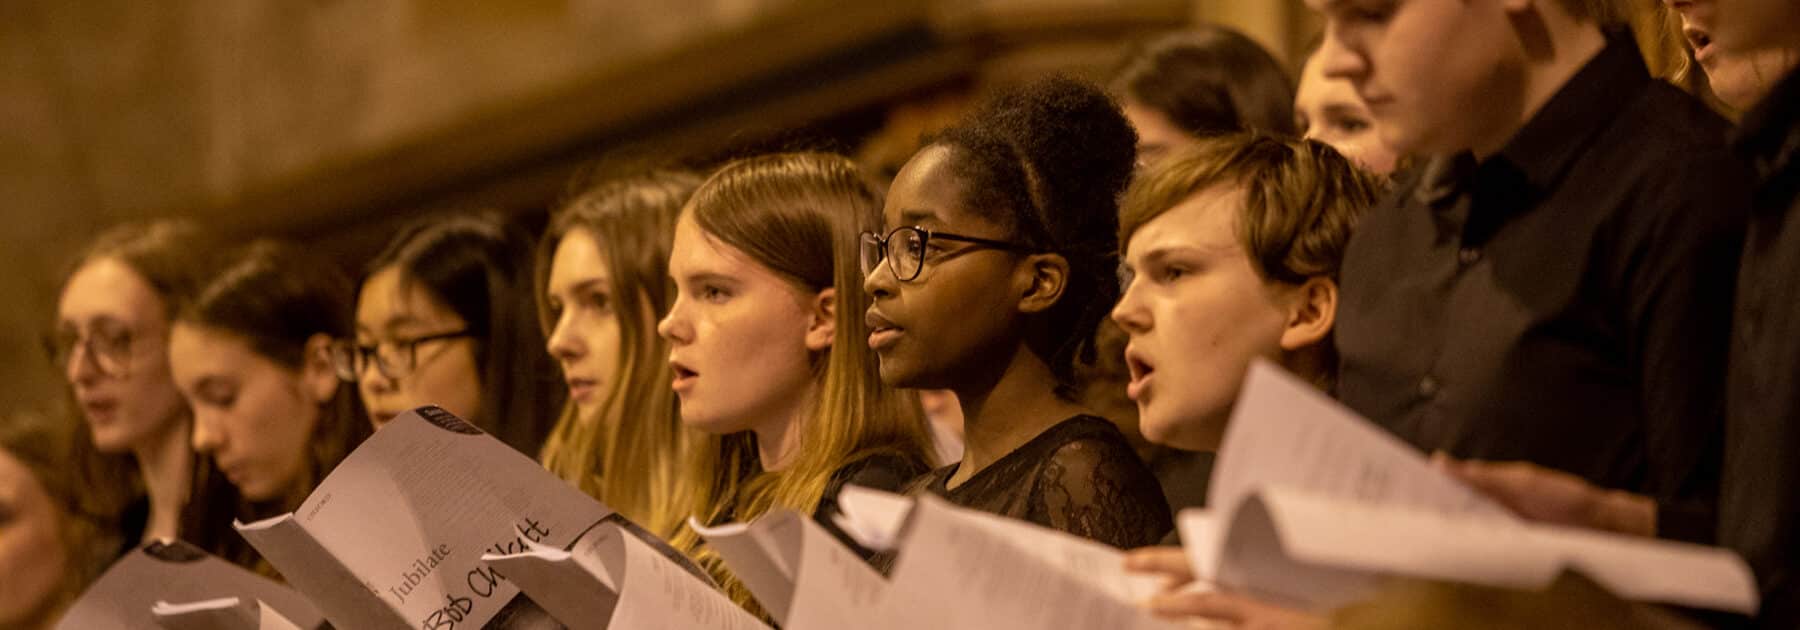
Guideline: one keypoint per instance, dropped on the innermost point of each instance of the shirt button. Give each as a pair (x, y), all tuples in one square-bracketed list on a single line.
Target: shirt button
[(1468, 255), (1428, 387)]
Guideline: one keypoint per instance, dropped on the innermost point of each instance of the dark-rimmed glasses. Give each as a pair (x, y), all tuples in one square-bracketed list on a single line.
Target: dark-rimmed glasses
[(394, 359), (106, 344), (904, 249)]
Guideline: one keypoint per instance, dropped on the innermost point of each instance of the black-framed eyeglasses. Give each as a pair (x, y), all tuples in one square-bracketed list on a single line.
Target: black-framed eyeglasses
[(107, 345), (904, 249), (395, 359)]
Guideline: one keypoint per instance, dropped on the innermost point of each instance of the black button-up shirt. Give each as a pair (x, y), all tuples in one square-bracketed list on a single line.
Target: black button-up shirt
[(1566, 301), (1760, 507)]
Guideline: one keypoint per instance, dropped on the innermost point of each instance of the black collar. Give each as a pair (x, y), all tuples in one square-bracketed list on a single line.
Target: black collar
[(1769, 139)]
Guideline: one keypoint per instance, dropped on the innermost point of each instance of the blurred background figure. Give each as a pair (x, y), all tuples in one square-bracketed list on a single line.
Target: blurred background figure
[(1330, 111), (1206, 81), (50, 546), (134, 458)]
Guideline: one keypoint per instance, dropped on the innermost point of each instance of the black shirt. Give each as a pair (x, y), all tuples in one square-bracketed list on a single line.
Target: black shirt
[(1565, 302), (1080, 476), (1760, 506)]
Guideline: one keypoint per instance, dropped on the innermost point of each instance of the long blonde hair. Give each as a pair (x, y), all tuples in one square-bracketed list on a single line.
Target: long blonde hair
[(629, 455), (800, 215)]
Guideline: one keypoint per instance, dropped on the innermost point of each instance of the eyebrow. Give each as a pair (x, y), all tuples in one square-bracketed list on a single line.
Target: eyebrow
[(583, 285), (389, 324), (1343, 110), (917, 217), (709, 276), (1161, 253)]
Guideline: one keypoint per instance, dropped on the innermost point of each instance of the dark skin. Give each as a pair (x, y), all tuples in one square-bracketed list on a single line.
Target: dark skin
[(962, 323)]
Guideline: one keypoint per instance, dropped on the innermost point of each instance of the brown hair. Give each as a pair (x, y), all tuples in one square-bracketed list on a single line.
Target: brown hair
[(1208, 80), (171, 255), (1301, 201), (630, 456), (276, 300), (87, 540), (800, 215)]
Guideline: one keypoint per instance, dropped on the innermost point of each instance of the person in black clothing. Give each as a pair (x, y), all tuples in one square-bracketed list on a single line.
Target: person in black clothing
[(998, 261), (1548, 289), (1748, 50)]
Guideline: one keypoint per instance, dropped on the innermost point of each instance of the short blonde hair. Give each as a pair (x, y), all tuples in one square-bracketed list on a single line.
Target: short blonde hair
[(1301, 199)]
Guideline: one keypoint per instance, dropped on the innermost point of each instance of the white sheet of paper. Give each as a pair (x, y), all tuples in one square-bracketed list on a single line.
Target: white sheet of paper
[(955, 571), (762, 555), (874, 519), (658, 593), (1322, 551), (1285, 431), (228, 613), (834, 588), (126, 596), (579, 595), (408, 515)]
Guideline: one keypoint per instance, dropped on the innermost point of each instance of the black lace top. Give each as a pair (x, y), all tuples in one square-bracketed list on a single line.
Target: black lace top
[(1079, 476)]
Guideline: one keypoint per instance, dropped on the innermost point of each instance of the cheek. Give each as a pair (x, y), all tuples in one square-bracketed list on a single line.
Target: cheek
[(453, 382)]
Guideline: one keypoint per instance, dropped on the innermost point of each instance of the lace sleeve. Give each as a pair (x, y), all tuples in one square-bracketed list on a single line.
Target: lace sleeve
[(1099, 489)]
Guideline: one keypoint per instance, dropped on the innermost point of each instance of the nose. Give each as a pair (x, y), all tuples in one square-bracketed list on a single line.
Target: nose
[(1341, 59), (82, 368), (878, 282), (1130, 313), (207, 437), (563, 343), (674, 327)]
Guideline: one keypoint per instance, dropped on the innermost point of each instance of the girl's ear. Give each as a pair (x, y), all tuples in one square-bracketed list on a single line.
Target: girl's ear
[(1311, 314), (316, 373), (1042, 278), (821, 325)]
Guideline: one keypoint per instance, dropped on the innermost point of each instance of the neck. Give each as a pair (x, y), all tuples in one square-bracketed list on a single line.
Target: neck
[(1554, 53), (777, 439), (167, 464), (1002, 413)]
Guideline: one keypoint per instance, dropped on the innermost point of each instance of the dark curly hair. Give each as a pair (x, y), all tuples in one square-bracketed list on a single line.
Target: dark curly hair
[(1047, 162)]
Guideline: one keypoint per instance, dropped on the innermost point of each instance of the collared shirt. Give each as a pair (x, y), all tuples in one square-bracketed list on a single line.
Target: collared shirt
[(1566, 301), (1760, 506)]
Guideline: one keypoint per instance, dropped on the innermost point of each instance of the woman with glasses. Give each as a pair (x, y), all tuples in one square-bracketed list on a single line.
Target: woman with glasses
[(766, 340), (446, 318), (251, 353), (999, 260), (602, 283), (135, 461)]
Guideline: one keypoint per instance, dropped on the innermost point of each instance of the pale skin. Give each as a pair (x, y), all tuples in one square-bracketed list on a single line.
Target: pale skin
[(1198, 313), (138, 409), (731, 312), (585, 337)]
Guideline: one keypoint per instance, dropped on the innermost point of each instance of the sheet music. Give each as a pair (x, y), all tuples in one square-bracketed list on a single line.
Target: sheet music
[(406, 518), (123, 597), (763, 555), (658, 593), (956, 572)]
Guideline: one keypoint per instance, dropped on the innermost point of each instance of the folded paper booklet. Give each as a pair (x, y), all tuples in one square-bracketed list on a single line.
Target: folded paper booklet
[(617, 576), (1312, 506), (800, 573), (961, 568), (393, 537), (134, 594), (230, 613)]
